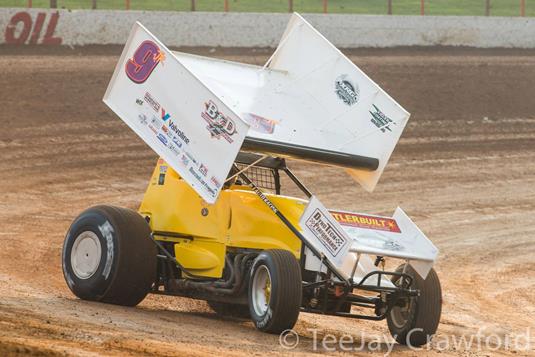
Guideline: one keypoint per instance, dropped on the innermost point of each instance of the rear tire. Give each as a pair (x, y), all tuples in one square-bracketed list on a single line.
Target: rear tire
[(275, 291), (108, 256), (417, 322)]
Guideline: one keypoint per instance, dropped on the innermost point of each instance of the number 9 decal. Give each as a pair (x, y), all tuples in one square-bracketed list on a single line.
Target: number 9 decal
[(145, 59)]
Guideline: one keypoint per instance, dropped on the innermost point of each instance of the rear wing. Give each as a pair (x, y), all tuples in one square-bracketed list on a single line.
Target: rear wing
[(308, 102)]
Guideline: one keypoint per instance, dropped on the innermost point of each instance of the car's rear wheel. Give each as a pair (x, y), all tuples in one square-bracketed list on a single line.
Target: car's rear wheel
[(417, 320), (108, 256), (275, 291)]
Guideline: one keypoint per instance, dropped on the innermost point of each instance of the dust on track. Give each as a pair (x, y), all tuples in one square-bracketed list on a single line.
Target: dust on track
[(464, 170)]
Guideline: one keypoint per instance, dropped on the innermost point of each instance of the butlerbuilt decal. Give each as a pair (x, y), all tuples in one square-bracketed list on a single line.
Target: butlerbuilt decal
[(346, 90), (358, 220)]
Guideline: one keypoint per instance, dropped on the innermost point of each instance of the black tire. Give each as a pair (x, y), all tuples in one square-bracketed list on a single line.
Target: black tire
[(285, 291), (416, 325), (126, 269), (227, 309)]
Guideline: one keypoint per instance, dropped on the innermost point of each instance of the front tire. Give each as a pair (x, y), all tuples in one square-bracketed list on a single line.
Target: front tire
[(415, 323), (108, 256), (275, 291)]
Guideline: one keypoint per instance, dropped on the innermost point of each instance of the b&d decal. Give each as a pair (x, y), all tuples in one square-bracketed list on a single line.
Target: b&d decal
[(219, 125)]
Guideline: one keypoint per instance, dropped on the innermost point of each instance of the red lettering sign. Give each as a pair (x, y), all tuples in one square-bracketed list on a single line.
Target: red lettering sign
[(24, 19)]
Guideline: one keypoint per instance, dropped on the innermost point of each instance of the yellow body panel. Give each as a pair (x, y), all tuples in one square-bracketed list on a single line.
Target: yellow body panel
[(238, 219)]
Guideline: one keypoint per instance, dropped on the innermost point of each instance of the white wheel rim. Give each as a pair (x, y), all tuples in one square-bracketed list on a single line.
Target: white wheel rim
[(85, 255), (261, 290)]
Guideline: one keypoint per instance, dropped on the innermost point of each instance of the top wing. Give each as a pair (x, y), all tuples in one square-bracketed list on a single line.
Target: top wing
[(311, 102), (308, 101)]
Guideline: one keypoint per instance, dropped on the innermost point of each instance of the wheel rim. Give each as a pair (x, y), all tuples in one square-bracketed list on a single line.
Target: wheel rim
[(261, 290), (400, 315), (85, 255)]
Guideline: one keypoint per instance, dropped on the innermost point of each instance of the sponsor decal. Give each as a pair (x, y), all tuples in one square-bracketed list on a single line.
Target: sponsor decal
[(29, 28), (260, 124), (162, 138), (391, 245), (184, 160), (139, 102), (177, 142), (165, 115), (205, 184), (203, 170), (191, 158), (365, 221), (346, 90), (333, 240), (174, 127), (142, 119), (153, 129), (264, 198), (173, 149), (152, 102), (107, 232), (161, 179), (215, 182), (219, 125), (163, 169), (154, 125), (144, 61), (380, 120)]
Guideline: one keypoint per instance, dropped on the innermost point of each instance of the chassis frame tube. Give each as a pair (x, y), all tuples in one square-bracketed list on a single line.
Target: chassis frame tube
[(292, 228)]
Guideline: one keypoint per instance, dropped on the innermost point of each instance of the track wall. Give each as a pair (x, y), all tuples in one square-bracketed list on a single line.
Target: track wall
[(101, 27)]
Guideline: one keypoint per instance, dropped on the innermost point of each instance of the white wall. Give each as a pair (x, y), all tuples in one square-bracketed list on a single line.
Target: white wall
[(86, 27)]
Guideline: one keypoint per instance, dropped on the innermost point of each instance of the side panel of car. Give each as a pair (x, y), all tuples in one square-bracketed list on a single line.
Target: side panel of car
[(255, 226), (174, 207), (202, 232)]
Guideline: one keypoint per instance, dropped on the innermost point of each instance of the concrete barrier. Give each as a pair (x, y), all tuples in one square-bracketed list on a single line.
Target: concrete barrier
[(89, 27)]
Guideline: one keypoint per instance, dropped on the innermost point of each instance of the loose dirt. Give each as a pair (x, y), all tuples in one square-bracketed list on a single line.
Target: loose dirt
[(464, 170)]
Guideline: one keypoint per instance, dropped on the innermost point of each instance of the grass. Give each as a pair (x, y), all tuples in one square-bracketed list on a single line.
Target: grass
[(400, 7)]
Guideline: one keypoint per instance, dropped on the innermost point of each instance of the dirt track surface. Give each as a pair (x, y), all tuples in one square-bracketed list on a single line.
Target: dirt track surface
[(464, 170)]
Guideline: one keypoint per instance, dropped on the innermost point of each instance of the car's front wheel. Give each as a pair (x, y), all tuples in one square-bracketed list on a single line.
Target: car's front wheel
[(415, 321), (275, 291)]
